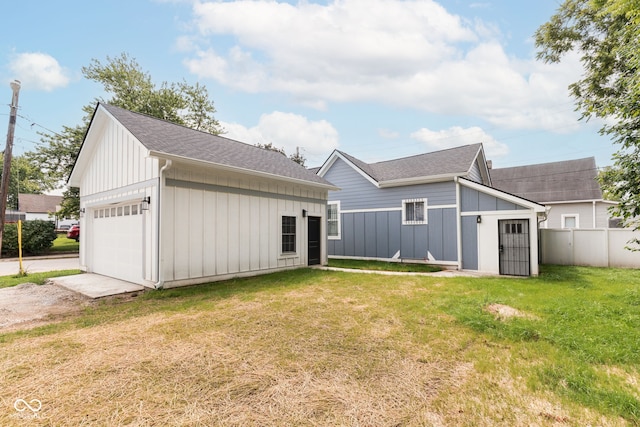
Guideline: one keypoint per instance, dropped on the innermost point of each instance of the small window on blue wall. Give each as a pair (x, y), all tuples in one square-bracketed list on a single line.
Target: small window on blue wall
[(414, 211)]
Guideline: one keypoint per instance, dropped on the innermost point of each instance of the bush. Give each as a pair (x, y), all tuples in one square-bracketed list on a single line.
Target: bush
[(37, 237)]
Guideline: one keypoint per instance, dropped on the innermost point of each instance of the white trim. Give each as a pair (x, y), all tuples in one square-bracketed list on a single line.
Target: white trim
[(563, 217), (339, 220), (251, 172), (418, 180), (521, 212), (458, 223), (425, 218), (296, 253), (430, 207), (396, 259), (566, 202)]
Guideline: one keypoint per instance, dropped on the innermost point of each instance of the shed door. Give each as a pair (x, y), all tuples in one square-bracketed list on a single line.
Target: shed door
[(314, 240), (116, 240), (514, 247)]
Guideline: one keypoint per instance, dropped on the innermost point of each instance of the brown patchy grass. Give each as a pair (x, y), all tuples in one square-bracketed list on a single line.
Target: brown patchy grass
[(329, 349)]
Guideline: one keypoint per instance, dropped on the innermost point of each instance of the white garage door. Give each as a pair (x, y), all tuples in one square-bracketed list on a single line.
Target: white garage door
[(117, 240)]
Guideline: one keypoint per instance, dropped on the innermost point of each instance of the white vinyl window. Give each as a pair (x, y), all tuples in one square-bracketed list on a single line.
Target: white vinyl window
[(333, 220), (414, 211), (288, 236), (570, 221)]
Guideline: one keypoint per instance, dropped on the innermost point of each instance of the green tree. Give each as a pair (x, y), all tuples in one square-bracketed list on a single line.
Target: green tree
[(606, 35), (26, 177), (130, 88), (296, 157)]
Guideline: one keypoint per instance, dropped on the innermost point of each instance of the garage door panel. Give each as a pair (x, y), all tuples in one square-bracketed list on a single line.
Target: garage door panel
[(117, 244)]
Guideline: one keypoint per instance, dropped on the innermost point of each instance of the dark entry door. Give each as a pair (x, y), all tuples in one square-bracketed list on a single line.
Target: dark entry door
[(314, 240), (514, 247)]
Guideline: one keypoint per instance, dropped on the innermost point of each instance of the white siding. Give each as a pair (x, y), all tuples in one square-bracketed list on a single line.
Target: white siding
[(118, 170), (218, 225)]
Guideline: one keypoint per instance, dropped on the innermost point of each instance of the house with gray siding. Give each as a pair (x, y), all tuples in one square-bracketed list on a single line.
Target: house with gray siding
[(434, 208), (569, 188)]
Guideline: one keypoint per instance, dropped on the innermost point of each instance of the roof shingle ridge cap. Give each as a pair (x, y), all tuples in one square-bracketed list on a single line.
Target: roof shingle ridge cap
[(427, 154)]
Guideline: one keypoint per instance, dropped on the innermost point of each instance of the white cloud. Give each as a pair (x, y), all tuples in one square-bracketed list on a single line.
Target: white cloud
[(39, 71), (411, 54), (287, 130), (457, 136)]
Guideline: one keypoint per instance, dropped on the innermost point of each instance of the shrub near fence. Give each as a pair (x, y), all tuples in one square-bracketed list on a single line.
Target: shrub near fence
[(603, 247), (37, 237)]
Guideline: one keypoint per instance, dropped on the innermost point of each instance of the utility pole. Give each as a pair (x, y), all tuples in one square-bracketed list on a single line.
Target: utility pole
[(6, 165)]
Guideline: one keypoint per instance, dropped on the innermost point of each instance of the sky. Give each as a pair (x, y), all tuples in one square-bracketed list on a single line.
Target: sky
[(377, 79)]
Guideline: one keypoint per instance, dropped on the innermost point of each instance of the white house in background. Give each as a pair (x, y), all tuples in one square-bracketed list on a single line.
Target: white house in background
[(163, 205), (569, 188), (38, 206)]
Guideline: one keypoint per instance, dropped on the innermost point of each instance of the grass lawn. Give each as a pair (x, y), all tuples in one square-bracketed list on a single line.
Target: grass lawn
[(37, 278), (382, 265), (312, 347), (63, 244)]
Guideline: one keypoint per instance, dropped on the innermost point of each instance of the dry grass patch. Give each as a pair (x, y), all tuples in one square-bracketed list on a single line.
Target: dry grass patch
[(328, 349)]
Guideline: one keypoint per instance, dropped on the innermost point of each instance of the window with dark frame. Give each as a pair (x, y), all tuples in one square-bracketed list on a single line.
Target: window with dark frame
[(288, 234)]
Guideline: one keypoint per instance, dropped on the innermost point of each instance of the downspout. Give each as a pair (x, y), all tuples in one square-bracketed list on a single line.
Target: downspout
[(160, 283), (458, 222), (594, 213)]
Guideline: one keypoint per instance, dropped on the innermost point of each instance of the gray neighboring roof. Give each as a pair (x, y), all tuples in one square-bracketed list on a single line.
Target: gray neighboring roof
[(453, 161), (568, 180), (162, 137), (38, 203)]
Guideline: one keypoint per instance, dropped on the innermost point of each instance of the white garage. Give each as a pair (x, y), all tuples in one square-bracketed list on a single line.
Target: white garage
[(162, 205)]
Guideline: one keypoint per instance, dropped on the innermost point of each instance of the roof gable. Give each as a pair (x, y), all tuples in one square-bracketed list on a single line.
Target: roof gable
[(551, 182), (428, 167), (168, 140)]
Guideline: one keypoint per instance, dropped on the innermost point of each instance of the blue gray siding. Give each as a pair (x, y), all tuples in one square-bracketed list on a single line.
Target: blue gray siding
[(359, 193), (470, 243), (475, 201), (474, 173), (382, 235)]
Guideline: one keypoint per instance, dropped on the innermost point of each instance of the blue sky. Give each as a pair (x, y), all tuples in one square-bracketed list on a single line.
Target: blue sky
[(378, 79)]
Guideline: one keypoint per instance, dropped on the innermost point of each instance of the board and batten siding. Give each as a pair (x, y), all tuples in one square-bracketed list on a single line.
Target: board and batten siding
[(119, 172), (221, 224), (371, 219), (118, 161)]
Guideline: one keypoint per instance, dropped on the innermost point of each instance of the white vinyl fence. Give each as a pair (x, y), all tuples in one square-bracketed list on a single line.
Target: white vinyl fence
[(603, 247)]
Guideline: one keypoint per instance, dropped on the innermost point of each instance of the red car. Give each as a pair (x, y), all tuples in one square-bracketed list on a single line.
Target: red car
[(74, 233)]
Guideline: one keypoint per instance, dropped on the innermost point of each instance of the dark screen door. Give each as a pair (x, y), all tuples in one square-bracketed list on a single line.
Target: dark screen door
[(314, 240), (514, 247)]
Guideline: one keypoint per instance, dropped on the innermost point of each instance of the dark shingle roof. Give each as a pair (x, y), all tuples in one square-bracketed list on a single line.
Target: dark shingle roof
[(456, 160), (38, 203), (171, 139), (551, 182)]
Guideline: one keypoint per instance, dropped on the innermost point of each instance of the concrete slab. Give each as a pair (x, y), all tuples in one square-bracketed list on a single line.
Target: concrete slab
[(95, 285)]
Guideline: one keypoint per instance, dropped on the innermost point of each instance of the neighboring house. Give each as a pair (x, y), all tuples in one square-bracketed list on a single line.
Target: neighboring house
[(436, 208), (39, 206), (569, 188), (163, 205)]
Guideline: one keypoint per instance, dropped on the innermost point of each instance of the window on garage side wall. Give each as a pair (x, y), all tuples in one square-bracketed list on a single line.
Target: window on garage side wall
[(288, 234), (414, 211)]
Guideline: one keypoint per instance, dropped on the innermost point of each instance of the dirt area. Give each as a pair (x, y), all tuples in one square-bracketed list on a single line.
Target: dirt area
[(504, 312), (28, 305)]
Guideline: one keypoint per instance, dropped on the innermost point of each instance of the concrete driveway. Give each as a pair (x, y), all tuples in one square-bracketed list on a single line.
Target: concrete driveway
[(11, 266)]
